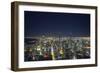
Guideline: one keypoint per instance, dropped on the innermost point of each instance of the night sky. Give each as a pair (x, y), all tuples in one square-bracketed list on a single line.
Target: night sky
[(49, 23)]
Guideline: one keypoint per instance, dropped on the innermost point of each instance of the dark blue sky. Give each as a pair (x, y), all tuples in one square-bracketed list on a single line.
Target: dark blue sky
[(64, 24)]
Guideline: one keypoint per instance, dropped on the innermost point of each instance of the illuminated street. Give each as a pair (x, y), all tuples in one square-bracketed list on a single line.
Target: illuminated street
[(55, 48)]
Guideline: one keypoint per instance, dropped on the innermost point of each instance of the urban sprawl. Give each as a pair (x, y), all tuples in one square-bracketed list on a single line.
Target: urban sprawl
[(56, 48)]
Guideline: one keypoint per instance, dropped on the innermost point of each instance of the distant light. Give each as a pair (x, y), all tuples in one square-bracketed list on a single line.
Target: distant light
[(38, 48)]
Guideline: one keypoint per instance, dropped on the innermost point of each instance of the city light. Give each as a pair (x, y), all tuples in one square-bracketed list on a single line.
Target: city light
[(57, 48)]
